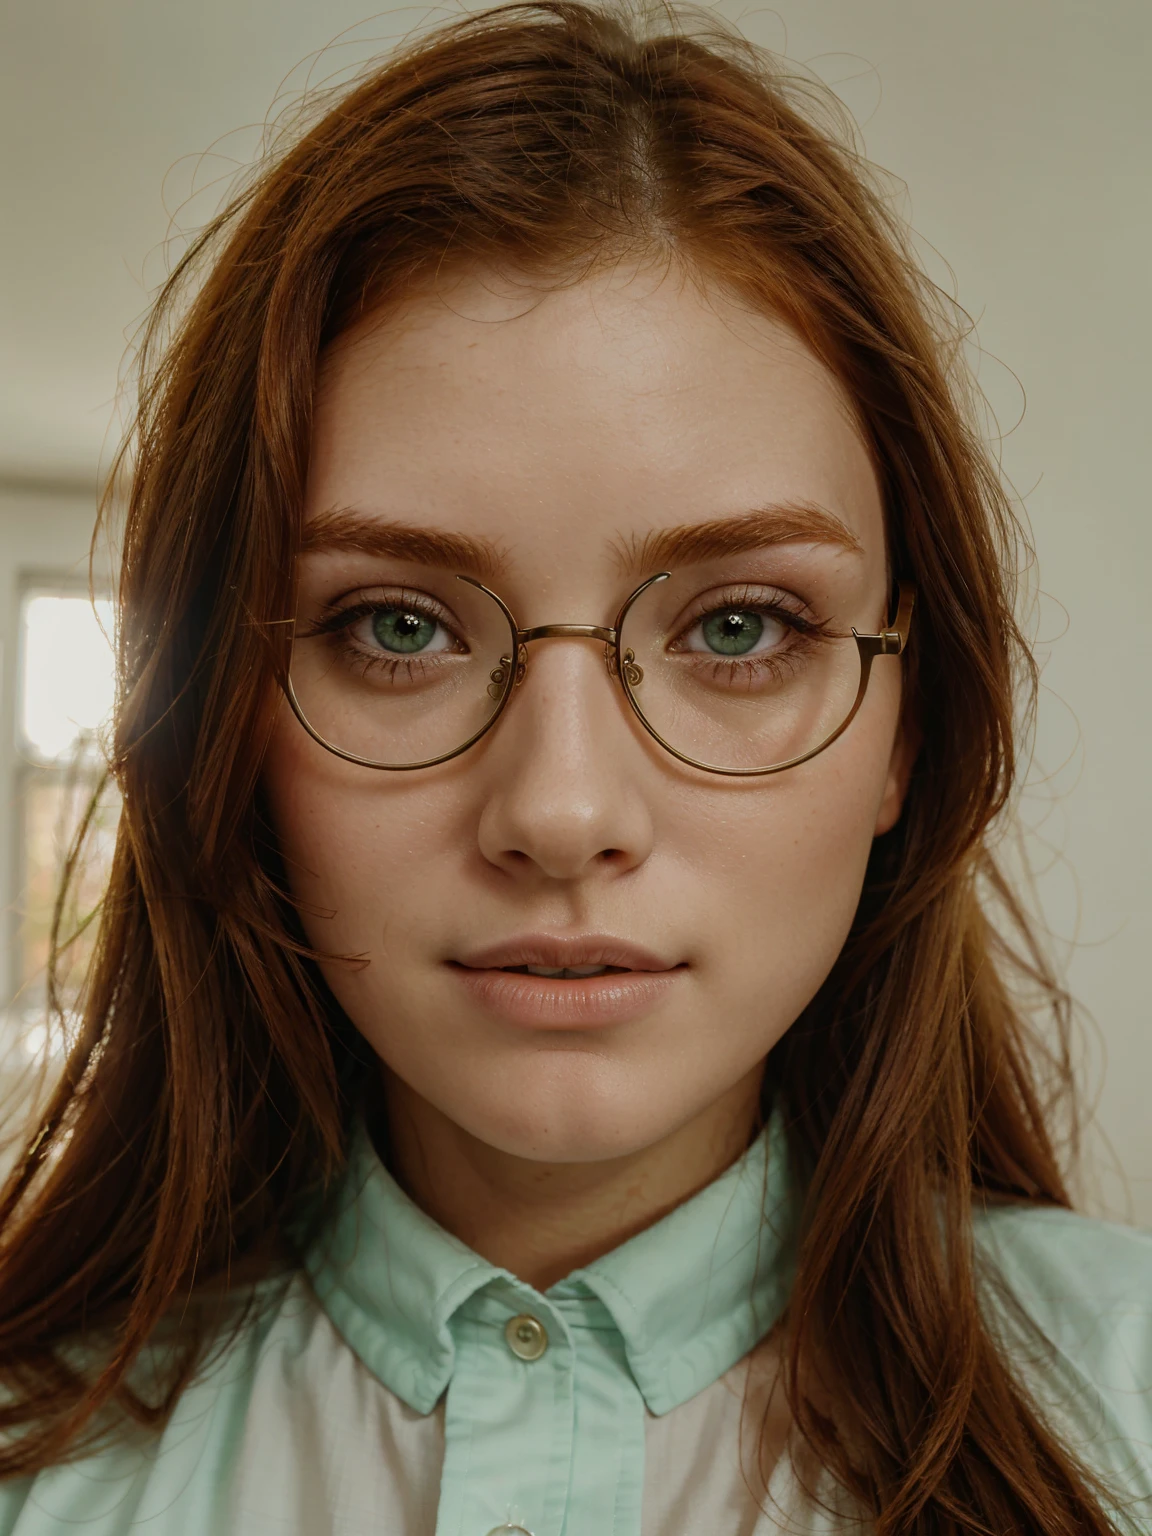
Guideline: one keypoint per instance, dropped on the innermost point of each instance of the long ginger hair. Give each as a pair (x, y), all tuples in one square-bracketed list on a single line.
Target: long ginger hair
[(208, 1089)]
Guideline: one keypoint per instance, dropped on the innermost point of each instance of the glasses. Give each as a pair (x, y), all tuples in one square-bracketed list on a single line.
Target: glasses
[(736, 680)]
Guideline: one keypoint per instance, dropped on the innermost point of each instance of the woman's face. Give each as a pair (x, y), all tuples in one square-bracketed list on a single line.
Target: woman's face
[(546, 441)]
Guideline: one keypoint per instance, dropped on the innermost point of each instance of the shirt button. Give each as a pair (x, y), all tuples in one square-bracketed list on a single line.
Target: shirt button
[(508, 1530), (526, 1336)]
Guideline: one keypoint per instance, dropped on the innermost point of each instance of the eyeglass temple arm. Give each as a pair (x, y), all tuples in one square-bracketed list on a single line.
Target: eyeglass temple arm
[(891, 641)]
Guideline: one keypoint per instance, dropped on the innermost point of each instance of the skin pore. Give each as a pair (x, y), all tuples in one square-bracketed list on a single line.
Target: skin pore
[(557, 432)]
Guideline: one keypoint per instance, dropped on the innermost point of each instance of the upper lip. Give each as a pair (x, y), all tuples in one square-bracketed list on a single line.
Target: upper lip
[(556, 953)]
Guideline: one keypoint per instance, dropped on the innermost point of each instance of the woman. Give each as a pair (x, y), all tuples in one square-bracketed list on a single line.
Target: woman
[(549, 1066)]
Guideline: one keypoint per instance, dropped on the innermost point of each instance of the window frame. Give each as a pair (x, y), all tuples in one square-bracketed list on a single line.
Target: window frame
[(45, 542), (30, 771)]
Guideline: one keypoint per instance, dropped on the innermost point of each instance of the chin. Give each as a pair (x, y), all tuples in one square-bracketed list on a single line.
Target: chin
[(582, 1128)]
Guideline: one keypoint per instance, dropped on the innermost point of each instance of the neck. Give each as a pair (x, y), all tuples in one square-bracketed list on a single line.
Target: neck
[(541, 1220)]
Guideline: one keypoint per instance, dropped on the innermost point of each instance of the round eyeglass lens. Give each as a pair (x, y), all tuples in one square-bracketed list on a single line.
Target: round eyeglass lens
[(736, 676), (401, 675)]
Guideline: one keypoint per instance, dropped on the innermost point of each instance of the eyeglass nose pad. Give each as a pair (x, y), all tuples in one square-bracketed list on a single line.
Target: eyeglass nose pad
[(499, 675), (632, 670)]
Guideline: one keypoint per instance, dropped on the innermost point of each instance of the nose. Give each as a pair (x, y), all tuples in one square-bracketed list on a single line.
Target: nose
[(565, 799)]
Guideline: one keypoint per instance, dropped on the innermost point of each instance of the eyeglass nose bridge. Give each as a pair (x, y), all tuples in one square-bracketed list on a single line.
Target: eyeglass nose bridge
[(567, 631), (609, 635), (546, 631), (605, 633)]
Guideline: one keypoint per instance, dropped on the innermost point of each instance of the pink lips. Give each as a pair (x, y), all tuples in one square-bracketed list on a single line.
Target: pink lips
[(567, 1003), (545, 949)]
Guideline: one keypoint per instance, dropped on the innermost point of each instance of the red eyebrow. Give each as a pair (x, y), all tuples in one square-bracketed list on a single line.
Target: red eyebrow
[(343, 528), (786, 523)]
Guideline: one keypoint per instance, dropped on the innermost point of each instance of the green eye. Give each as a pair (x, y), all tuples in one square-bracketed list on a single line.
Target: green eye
[(403, 631), (732, 632)]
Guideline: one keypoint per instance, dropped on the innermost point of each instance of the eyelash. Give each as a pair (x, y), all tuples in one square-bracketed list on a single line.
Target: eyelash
[(807, 633), (338, 620)]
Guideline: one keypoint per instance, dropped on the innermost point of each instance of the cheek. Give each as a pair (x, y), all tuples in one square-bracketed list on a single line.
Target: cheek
[(776, 870), (360, 849), (783, 878)]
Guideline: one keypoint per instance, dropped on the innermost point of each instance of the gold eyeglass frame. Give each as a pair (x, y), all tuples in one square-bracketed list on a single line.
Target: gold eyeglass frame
[(504, 679)]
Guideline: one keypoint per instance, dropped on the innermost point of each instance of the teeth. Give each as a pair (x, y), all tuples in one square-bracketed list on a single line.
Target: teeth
[(565, 972)]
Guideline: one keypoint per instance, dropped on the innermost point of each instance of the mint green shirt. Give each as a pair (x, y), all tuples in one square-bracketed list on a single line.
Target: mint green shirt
[(404, 1386)]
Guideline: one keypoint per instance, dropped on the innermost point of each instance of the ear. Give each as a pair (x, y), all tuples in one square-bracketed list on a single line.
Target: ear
[(905, 750)]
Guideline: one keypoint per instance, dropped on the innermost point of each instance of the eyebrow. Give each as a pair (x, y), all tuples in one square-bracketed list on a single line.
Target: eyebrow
[(791, 522), (343, 528)]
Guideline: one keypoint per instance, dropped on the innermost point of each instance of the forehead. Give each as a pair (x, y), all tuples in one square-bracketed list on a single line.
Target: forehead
[(554, 421)]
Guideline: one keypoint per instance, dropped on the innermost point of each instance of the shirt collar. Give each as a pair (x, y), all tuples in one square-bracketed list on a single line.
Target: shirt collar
[(690, 1295)]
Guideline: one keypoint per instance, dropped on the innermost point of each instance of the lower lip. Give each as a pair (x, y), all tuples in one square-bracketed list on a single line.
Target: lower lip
[(581, 1003)]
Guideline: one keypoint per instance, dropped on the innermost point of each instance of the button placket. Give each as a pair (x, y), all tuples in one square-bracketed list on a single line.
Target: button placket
[(509, 1418)]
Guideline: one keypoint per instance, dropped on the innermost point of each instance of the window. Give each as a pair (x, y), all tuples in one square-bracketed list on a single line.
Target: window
[(65, 688)]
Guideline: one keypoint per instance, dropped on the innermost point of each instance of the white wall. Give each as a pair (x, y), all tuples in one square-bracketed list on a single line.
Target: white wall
[(1022, 130)]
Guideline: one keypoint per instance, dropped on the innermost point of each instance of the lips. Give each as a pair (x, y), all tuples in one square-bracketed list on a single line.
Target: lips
[(541, 982), (567, 959), (565, 972)]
